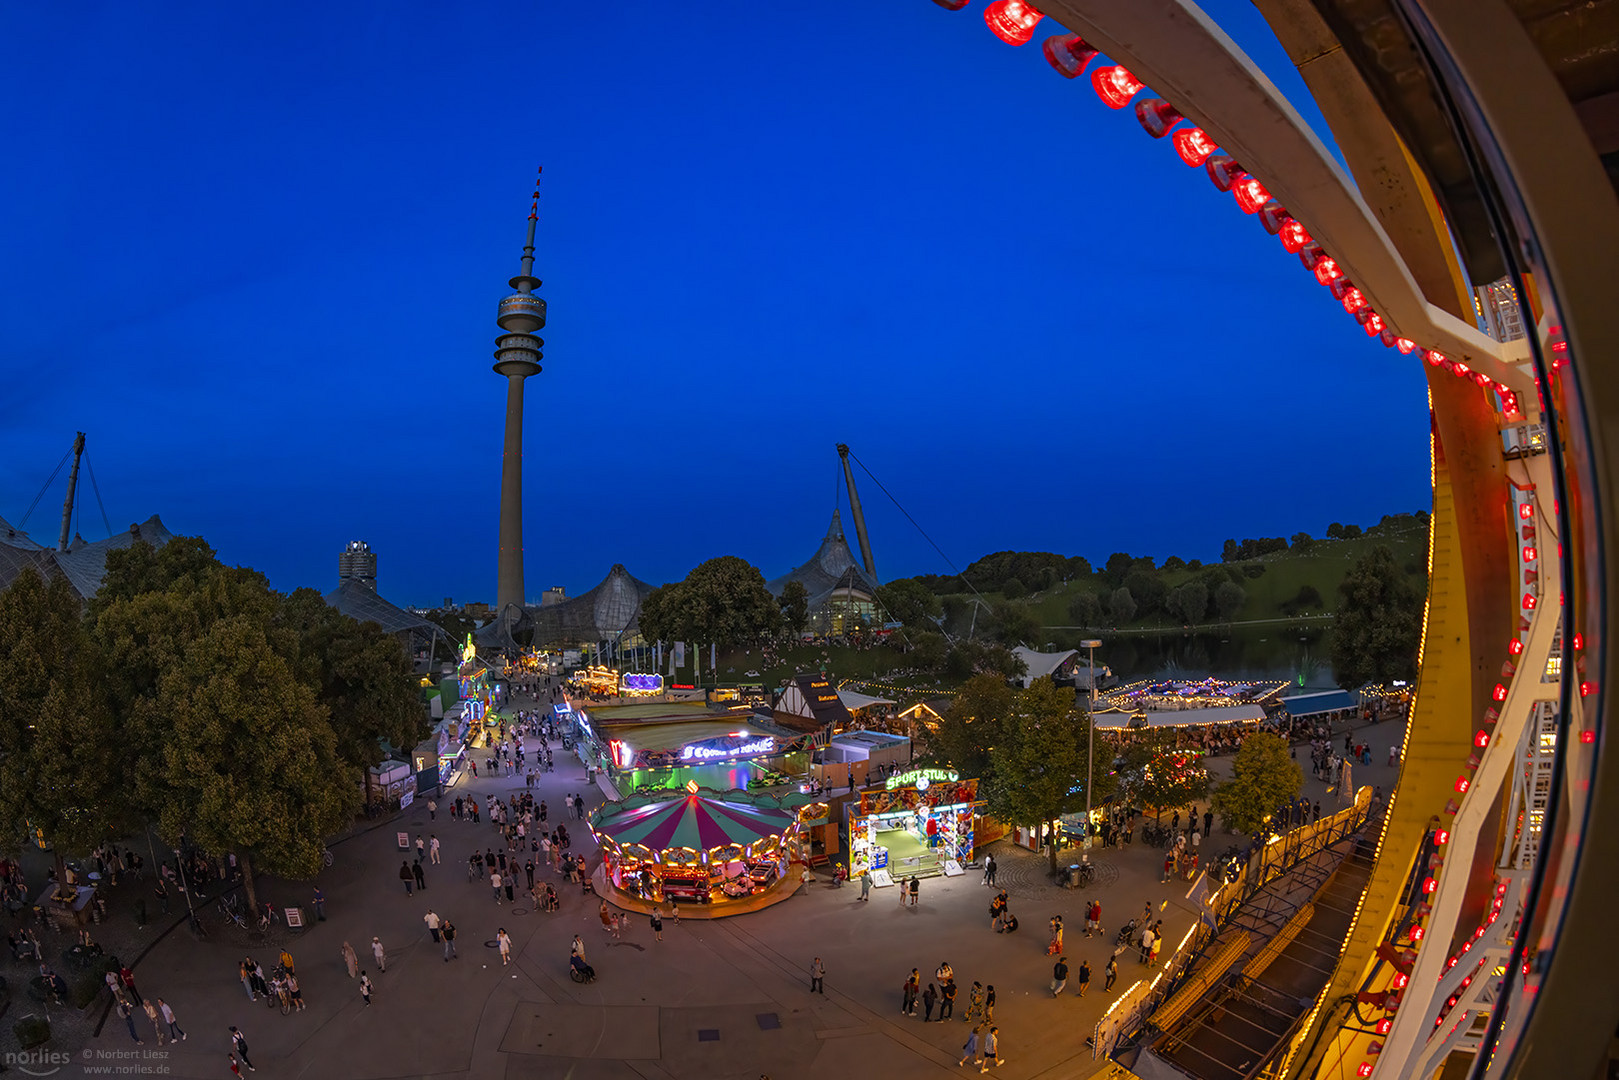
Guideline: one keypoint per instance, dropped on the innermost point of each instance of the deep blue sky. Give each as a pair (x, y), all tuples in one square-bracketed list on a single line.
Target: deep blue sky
[(254, 250)]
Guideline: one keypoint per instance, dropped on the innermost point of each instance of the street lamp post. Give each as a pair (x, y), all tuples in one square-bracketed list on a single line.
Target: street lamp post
[(1090, 736)]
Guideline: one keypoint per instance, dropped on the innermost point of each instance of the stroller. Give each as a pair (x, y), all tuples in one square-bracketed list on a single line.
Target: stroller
[(1127, 932)]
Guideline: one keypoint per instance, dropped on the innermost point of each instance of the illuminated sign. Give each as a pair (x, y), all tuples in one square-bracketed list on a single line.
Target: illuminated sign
[(470, 652), (729, 746), (682, 686), (921, 778), (646, 684)]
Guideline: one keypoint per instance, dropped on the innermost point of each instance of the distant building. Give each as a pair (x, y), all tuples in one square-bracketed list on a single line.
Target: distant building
[(84, 563), (476, 609), (842, 596), (1498, 310), (556, 594), (357, 562)]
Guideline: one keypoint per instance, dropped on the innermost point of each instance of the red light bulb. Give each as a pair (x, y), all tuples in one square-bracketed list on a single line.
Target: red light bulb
[(1515, 647), (1588, 736), (1418, 933), (1294, 237), (1481, 740), (1194, 146), (1499, 693), (1587, 689), (1353, 299), (1115, 86), (1272, 217), (1525, 511), (1157, 116), (1429, 885), (1364, 1069), (1372, 321), (1402, 979), (1529, 601), (1441, 836), (1529, 554), (1433, 357), (1405, 345), (1223, 171), (1012, 21), (1579, 641), (1326, 272), (951, 5), (1251, 195), (1462, 784), (1068, 54)]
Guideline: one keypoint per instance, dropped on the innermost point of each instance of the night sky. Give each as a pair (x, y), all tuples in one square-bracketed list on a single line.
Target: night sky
[(254, 251)]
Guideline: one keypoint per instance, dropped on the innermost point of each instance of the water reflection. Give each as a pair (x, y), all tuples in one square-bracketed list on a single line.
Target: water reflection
[(1300, 654)]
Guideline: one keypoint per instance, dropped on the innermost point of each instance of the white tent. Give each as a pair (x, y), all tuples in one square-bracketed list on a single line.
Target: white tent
[(852, 700), (1040, 664), (1227, 714)]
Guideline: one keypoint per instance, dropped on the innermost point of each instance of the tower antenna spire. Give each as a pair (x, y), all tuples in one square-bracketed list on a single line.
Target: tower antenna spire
[(527, 271)]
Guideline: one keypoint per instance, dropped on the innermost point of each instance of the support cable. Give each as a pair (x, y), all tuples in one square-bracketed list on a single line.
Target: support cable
[(46, 487), (95, 487)]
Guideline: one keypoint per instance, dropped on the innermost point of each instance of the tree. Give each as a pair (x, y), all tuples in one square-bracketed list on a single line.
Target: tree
[(1076, 566), (907, 601), (1263, 779), (65, 769), (1014, 589), (1085, 609), (1228, 599), (970, 728), (1376, 631), (659, 614), (1172, 563), (794, 605), (250, 763), (725, 602), (1230, 551), (1335, 531), (1016, 624), (1191, 602), (1119, 565), (1303, 543), (456, 624), (360, 674), (1148, 590), (1352, 532), (1040, 761), (1162, 777), (1122, 605)]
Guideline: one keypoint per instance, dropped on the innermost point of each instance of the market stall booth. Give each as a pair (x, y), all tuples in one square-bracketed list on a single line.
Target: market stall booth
[(726, 851), (919, 822)]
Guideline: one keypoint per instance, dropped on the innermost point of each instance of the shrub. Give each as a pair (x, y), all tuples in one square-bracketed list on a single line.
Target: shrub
[(1253, 570), (31, 1031)]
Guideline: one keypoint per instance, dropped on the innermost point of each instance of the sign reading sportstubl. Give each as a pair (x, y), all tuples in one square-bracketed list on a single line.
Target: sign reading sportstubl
[(921, 778)]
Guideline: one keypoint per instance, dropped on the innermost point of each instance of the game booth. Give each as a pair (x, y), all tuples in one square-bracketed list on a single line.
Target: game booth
[(917, 822), (726, 851)]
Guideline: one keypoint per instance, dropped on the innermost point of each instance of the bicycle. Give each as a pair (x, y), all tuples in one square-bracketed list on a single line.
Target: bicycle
[(1087, 874), (270, 916), (231, 913), (327, 858)]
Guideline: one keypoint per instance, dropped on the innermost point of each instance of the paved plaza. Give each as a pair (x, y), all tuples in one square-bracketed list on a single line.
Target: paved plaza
[(716, 999)]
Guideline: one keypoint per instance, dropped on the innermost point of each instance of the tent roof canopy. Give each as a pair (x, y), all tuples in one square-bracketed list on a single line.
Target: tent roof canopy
[(1314, 704), (698, 820)]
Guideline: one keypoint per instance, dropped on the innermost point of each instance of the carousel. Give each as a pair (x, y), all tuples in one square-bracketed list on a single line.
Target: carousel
[(697, 846)]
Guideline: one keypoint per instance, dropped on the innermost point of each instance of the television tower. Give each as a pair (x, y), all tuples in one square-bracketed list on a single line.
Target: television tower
[(517, 356)]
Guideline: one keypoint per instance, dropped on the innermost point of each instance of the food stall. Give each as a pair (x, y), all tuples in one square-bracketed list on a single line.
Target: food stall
[(697, 845)]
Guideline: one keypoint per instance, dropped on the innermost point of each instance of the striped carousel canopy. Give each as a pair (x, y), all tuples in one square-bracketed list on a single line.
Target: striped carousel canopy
[(694, 820)]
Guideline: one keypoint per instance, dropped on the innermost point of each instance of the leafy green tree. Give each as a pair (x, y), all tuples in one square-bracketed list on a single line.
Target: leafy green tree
[(1376, 631), (1228, 599), (250, 764), (1263, 779), (65, 766), (1335, 531), (1016, 624), (722, 601), (1173, 563), (1148, 590), (659, 614), (1352, 532), (1190, 602), (1014, 589), (1303, 543), (1076, 566), (360, 674), (1121, 605), (1039, 764), (1085, 609), (1162, 777), (1119, 565), (908, 601), (794, 605), (971, 727)]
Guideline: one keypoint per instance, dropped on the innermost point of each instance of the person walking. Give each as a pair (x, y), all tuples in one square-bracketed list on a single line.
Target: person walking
[(238, 1043), (969, 1051), (447, 930), (989, 1002), (1059, 976), (406, 876), (907, 1005), (431, 919), (176, 1033), (504, 941), (975, 1003), (989, 870), (128, 978), (903, 890), (916, 888), (1084, 977), (350, 961), (494, 884), (247, 981), (990, 1047), (416, 871), (319, 903), (1112, 973), (929, 996), (432, 813), (433, 850), (365, 988), (1146, 944), (865, 886), (421, 848), (127, 1011), (378, 952), (657, 925), (817, 977), (150, 1008)]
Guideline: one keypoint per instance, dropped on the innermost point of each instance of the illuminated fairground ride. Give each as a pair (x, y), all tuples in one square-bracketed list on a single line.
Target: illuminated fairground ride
[(1477, 133)]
